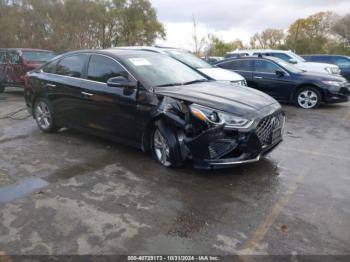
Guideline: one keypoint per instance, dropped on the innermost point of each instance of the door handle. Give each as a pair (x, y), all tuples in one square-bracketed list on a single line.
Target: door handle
[(50, 85), (258, 77), (86, 94)]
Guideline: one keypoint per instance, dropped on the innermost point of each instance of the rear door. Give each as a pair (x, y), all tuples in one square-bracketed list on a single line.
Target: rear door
[(110, 110), (63, 88), (266, 80), (240, 66)]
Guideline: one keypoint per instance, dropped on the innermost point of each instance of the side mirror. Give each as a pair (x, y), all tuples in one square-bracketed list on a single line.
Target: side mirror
[(292, 61), (280, 73), (121, 81)]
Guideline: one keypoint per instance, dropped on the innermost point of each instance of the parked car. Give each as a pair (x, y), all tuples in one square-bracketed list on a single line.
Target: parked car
[(343, 62), (15, 62), (286, 82), (207, 70), (292, 58), (212, 59), (153, 102)]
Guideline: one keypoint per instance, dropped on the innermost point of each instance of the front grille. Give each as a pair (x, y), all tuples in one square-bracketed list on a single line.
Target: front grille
[(267, 126), (219, 148)]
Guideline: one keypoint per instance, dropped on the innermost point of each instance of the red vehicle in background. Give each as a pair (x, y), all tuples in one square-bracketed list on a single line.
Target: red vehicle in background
[(16, 62)]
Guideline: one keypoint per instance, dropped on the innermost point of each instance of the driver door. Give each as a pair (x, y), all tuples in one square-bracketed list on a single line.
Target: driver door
[(108, 110), (266, 80)]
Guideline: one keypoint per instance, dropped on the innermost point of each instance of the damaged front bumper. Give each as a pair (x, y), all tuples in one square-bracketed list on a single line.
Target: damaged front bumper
[(219, 147)]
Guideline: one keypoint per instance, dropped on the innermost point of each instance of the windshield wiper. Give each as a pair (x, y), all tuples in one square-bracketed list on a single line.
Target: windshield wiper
[(195, 81), (172, 84)]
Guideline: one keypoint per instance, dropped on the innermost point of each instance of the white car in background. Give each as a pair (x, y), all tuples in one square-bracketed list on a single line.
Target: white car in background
[(290, 57), (187, 58)]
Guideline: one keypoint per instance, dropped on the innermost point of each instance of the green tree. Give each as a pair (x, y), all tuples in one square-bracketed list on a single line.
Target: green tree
[(311, 34), (269, 38), (218, 47), (63, 25)]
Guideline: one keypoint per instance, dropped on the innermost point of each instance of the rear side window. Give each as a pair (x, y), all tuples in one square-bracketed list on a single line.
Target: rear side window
[(320, 59), (102, 68), (243, 65), (342, 62), (266, 66), (71, 66), (281, 56)]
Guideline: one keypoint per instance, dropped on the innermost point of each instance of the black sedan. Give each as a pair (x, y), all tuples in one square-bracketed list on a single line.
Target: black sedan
[(153, 102), (285, 82)]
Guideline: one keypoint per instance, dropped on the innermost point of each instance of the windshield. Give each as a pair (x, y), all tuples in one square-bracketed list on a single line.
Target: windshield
[(297, 57), (38, 56), (188, 59), (289, 67), (160, 70)]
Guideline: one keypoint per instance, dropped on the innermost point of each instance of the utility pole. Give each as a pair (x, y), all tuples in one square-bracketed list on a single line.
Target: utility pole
[(296, 37)]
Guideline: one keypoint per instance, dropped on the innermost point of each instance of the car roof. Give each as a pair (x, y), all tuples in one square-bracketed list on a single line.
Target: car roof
[(274, 59), (155, 49), (237, 51), (25, 49), (326, 55), (110, 52)]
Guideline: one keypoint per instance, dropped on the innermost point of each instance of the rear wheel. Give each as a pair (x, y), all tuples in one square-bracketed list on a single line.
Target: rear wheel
[(308, 98), (2, 88), (165, 147), (44, 116)]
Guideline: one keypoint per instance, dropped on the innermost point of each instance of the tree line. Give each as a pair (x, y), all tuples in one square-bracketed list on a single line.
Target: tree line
[(63, 25), (323, 32)]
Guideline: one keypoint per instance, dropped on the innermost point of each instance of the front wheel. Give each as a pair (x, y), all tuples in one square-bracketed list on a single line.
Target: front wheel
[(2, 89), (308, 98), (44, 116), (165, 147)]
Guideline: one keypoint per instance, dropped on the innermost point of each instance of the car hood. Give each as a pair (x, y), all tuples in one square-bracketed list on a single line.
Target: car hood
[(318, 67), (322, 76), (220, 74), (241, 101)]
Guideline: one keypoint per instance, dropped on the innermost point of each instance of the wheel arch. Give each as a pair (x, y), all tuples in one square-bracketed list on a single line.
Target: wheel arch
[(292, 96)]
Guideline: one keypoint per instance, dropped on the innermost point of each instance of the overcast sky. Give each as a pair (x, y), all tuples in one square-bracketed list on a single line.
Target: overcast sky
[(231, 19)]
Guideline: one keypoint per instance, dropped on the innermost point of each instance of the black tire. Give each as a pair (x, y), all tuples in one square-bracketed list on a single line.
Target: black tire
[(2, 89), (43, 109), (173, 155), (308, 97)]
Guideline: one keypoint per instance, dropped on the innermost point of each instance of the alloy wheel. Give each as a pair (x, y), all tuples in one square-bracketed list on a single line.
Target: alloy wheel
[(307, 99), (161, 148), (43, 115)]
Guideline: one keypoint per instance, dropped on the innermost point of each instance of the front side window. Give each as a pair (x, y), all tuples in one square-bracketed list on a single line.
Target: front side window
[(160, 70), (103, 68), (71, 66), (342, 62), (265, 66), (50, 68)]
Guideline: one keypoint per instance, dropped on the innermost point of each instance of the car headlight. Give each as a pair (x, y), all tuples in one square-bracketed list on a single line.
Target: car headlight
[(217, 117), (333, 83), (332, 70), (240, 82)]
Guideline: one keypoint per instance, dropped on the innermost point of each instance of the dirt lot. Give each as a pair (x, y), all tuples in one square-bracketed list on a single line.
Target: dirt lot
[(69, 193)]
